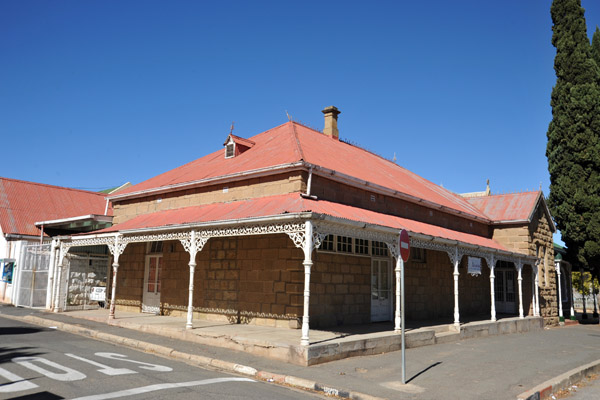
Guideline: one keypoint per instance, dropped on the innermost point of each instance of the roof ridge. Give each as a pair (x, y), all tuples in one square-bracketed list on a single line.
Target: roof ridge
[(51, 186), (513, 194), (297, 141)]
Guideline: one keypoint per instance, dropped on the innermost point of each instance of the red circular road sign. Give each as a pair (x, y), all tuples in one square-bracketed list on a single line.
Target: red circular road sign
[(404, 245)]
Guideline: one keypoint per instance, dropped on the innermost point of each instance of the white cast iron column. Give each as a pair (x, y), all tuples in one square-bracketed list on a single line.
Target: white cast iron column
[(492, 287), (57, 278), (520, 282), (537, 295), (116, 249), (561, 318), (51, 267), (569, 278), (307, 248), (193, 245), (397, 319), (456, 311)]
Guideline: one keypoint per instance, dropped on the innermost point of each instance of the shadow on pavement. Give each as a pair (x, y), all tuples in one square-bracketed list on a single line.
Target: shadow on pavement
[(18, 330), (8, 353), (423, 371), (38, 396)]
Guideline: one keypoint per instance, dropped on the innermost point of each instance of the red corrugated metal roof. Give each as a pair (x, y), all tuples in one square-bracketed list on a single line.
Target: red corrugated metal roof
[(289, 204), (507, 207), (293, 142), (22, 204)]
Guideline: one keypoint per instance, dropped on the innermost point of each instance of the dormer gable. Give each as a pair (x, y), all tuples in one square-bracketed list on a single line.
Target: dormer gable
[(235, 145)]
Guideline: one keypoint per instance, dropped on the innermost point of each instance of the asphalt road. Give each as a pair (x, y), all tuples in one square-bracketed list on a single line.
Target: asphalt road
[(38, 363)]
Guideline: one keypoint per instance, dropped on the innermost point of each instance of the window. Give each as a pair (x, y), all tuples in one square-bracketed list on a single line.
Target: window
[(361, 246), (347, 244), (417, 255), (230, 150), (379, 249), (328, 243), (155, 247), (344, 244)]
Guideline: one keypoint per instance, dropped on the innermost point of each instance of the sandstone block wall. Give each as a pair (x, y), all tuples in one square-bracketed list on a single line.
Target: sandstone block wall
[(340, 290), (535, 239), (124, 210), (333, 191)]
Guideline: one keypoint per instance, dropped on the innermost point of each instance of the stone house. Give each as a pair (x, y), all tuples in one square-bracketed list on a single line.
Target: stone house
[(295, 225)]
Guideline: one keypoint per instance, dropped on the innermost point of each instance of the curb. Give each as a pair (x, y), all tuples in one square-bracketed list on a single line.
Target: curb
[(560, 382), (213, 363)]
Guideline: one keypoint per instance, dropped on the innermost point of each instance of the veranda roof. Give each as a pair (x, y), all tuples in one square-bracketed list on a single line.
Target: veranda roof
[(280, 205)]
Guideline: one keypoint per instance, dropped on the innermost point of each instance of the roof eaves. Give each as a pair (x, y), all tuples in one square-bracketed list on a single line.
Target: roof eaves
[(212, 224), (95, 217), (210, 181)]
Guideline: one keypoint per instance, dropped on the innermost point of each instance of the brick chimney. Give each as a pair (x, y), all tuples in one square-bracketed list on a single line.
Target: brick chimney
[(331, 129)]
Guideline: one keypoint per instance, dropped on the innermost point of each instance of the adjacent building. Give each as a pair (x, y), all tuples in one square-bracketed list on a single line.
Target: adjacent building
[(30, 215)]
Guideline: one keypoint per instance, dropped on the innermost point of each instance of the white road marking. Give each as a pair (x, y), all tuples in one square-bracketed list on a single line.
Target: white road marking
[(105, 369), (121, 357), (68, 374), (18, 385), (163, 386)]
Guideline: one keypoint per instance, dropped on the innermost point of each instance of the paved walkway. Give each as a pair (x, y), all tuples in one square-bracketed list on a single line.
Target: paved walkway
[(498, 367)]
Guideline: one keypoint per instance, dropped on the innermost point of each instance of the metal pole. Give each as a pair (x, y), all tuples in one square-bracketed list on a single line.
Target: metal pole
[(402, 322)]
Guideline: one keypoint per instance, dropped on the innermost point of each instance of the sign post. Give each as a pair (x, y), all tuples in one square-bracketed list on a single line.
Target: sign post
[(404, 246)]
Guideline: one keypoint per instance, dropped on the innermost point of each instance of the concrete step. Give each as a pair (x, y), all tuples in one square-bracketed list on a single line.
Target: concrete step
[(447, 337)]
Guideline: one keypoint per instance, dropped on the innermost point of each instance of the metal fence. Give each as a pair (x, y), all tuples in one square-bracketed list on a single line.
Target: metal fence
[(578, 301), (33, 275)]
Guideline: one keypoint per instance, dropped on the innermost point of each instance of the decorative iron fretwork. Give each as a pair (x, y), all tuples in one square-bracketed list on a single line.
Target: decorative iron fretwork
[(195, 245), (230, 312)]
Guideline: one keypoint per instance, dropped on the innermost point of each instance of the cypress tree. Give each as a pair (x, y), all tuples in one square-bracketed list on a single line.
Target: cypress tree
[(573, 149), (596, 46)]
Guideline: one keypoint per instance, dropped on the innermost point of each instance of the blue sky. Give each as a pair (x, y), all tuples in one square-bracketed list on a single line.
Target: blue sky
[(97, 93)]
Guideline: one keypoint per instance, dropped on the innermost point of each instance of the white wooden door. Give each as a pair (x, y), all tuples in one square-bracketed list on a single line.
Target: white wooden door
[(381, 290), (505, 291), (151, 295)]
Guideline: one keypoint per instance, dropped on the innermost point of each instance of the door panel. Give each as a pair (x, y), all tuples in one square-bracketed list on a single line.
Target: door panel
[(381, 299), (151, 296), (504, 288)]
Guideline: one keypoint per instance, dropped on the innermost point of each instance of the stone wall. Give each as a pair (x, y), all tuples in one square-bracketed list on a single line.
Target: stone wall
[(243, 279), (130, 277), (430, 289), (124, 210), (340, 290), (260, 279), (535, 239)]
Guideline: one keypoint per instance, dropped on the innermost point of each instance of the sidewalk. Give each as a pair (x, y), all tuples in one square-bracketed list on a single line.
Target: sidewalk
[(495, 367)]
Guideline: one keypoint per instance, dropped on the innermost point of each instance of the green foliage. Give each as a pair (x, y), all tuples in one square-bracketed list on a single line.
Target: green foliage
[(573, 149), (584, 286), (596, 46)]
